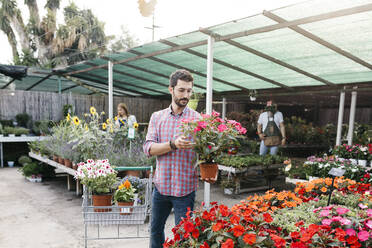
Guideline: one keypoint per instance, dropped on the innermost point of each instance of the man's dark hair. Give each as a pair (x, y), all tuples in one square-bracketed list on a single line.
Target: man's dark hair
[(181, 74)]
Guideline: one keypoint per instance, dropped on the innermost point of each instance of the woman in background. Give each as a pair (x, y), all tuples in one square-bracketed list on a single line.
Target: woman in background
[(123, 117)]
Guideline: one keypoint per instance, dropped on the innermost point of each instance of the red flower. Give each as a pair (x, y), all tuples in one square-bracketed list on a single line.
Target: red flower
[(238, 230), (188, 226), (224, 210), (234, 219), (195, 233), (205, 245), (267, 217), (340, 234), (295, 235), (177, 237), (352, 240), (298, 245), (249, 238), (216, 227), (300, 223), (229, 243), (279, 241)]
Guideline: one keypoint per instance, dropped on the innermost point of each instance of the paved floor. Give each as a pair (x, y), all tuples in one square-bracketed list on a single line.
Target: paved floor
[(46, 215)]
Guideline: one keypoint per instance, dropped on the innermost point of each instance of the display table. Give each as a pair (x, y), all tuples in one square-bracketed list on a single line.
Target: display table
[(17, 139), (70, 172)]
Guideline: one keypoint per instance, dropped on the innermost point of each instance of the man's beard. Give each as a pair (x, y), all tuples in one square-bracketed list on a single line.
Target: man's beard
[(178, 101)]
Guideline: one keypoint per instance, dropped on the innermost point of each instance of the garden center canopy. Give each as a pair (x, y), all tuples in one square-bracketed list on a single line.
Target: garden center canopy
[(306, 50)]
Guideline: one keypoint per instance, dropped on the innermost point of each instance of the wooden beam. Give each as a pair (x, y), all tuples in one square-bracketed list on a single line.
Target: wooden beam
[(277, 61), (11, 81), (188, 50), (95, 86), (78, 82), (38, 82), (319, 40), (68, 88)]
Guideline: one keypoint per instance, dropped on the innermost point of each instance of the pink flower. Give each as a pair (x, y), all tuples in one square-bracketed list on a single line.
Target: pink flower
[(350, 232), (197, 129), (242, 130), (222, 127), (324, 213), (369, 224), (232, 122), (369, 212), (326, 222), (363, 235), (202, 124), (185, 121), (362, 206), (215, 114), (341, 211), (337, 218), (345, 221), (205, 116)]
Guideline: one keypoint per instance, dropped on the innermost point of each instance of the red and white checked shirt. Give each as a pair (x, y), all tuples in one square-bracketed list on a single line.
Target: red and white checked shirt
[(175, 173)]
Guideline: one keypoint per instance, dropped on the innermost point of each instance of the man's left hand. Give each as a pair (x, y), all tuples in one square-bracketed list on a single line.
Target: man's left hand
[(283, 142)]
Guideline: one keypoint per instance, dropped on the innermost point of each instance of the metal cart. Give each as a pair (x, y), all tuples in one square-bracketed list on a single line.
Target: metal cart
[(99, 216)]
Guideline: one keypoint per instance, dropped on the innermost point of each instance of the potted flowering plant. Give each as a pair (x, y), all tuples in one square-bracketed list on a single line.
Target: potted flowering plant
[(212, 135), (99, 177), (363, 155), (124, 196)]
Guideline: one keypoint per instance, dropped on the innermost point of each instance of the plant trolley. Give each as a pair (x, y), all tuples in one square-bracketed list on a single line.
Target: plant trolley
[(103, 218)]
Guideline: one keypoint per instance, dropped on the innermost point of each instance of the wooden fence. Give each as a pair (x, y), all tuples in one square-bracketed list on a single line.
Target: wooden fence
[(48, 105)]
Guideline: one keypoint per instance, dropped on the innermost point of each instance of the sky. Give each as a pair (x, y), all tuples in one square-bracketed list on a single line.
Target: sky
[(173, 16)]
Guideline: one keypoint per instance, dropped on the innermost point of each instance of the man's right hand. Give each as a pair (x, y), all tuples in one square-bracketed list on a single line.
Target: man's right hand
[(182, 143), (262, 137)]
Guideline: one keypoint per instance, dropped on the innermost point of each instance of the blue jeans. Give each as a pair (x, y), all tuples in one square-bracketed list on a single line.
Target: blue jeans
[(161, 208), (264, 149)]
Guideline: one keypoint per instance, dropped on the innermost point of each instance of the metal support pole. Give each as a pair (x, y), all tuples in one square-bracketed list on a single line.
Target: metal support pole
[(352, 117), (223, 107), (340, 118), (1, 154), (110, 88), (59, 85), (209, 98)]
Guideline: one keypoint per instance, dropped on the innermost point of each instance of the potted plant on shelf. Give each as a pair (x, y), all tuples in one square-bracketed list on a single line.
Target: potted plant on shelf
[(212, 135), (228, 186), (100, 178), (124, 196), (31, 171)]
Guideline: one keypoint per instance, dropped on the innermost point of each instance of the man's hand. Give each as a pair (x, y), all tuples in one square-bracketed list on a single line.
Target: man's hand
[(182, 143), (283, 141), (211, 180), (262, 137)]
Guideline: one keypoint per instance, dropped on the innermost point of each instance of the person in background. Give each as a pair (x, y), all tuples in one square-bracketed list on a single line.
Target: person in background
[(271, 128), (124, 118), (175, 176)]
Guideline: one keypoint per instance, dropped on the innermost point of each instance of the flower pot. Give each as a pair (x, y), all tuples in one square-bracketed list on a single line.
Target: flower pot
[(133, 173), (68, 163), (228, 191), (208, 171), (362, 162), (125, 211), (55, 158), (102, 200), (61, 161), (10, 163), (353, 161)]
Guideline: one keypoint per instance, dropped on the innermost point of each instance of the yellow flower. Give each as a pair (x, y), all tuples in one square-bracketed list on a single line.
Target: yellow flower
[(127, 184), (135, 125), (116, 118), (104, 126), (86, 115), (111, 130), (93, 110), (108, 121), (76, 120), (103, 113), (86, 127), (68, 117), (121, 186)]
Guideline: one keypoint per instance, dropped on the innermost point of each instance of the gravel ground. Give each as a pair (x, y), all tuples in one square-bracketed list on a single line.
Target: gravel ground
[(47, 215)]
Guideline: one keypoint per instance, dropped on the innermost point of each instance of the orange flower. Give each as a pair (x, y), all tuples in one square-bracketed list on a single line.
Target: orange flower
[(127, 184), (238, 230), (249, 238), (216, 227), (323, 189)]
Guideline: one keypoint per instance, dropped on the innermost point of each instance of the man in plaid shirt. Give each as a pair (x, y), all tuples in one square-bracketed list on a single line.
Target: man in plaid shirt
[(175, 177)]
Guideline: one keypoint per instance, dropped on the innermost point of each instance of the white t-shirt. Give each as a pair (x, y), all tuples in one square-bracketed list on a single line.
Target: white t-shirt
[(263, 119)]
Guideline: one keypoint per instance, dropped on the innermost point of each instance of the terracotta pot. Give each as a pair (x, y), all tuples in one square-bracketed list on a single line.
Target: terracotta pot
[(102, 200), (208, 170), (68, 163), (134, 173), (61, 161), (55, 158), (125, 211)]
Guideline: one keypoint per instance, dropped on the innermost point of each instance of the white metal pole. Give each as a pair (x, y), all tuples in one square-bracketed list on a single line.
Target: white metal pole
[(352, 117), (340, 118), (209, 98), (223, 107), (110, 88)]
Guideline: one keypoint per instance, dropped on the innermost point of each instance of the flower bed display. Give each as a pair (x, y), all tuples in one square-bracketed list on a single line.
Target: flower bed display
[(284, 219)]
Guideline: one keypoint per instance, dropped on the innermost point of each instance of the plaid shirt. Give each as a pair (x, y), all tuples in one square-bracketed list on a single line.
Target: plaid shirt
[(175, 173)]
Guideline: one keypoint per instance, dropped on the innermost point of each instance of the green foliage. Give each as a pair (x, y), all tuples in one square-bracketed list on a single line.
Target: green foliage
[(6, 123), (23, 119), (30, 169), (42, 127), (67, 109), (26, 58), (248, 120), (125, 192), (24, 160), (100, 185), (251, 160)]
